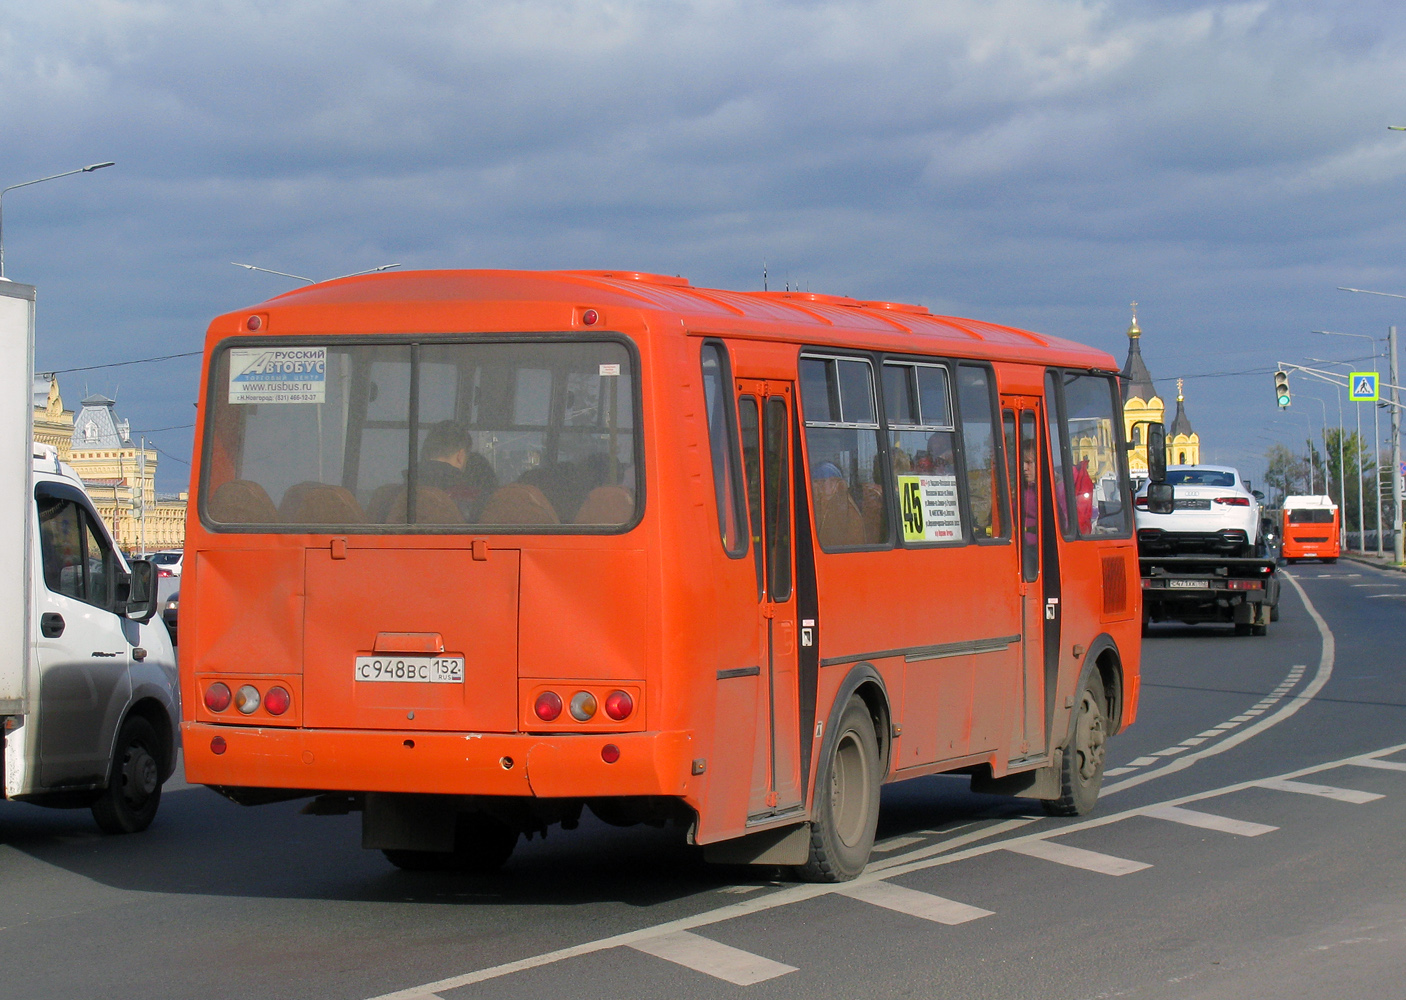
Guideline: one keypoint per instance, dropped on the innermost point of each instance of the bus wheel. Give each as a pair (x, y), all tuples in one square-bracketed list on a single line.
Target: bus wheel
[(846, 800), (133, 793), (1081, 767), (481, 844)]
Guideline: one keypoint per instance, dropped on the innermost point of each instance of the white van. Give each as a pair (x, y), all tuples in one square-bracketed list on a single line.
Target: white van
[(88, 691)]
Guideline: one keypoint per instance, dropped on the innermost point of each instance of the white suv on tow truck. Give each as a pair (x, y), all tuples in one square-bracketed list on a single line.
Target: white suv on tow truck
[(1214, 513)]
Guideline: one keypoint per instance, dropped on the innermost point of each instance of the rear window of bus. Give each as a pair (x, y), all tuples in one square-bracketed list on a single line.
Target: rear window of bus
[(521, 436), (1310, 515)]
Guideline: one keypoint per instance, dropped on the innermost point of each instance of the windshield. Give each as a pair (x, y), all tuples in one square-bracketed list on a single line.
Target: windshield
[(1311, 515), (507, 436), (1200, 477)]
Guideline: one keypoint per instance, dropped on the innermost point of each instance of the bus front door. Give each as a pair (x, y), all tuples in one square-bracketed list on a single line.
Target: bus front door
[(1020, 421), (764, 420)]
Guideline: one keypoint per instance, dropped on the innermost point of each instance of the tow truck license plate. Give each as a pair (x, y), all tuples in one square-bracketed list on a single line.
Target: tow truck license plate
[(411, 669), (1187, 584)]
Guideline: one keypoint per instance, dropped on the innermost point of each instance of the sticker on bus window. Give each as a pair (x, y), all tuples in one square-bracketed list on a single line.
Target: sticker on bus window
[(929, 508), (278, 375), (610, 370)]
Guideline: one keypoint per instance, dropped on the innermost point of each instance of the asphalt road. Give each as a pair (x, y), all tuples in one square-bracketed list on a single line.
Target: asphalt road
[(1248, 844)]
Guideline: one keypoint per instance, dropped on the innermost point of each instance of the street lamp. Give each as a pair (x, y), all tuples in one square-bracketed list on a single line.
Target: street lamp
[(81, 170), (1326, 481), (1398, 542)]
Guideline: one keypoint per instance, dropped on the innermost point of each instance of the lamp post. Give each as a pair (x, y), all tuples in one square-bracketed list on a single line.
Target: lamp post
[(1376, 457), (1327, 481), (81, 170), (1398, 542)]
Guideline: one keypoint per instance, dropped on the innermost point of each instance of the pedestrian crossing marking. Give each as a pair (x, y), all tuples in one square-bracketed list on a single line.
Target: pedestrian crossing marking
[(1208, 821), (894, 843), (1385, 765), (712, 958), (915, 903), (1076, 857)]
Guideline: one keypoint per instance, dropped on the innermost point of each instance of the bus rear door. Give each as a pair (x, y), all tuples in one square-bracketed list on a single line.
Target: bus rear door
[(764, 421)]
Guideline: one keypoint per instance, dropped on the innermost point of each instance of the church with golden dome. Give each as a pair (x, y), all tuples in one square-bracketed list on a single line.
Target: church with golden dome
[(1142, 405)]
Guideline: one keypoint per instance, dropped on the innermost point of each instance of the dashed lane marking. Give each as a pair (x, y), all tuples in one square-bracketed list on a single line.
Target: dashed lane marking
[(921, 859), (1076, 857), (1322, 791), (1208, 821), (915, 903), (693, 951)]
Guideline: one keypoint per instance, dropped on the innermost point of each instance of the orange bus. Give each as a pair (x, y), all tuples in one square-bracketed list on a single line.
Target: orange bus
[(1312, 529), (470, 551)]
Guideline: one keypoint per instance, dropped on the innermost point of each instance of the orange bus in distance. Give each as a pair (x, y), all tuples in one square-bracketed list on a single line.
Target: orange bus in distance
[(1312, 529), (472, 551)]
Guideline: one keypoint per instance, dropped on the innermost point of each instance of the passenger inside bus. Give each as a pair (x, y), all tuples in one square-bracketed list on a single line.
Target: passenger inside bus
[(448, 462)]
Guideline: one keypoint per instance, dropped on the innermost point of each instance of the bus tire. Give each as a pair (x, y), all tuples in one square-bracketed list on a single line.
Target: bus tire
[(846, 800), (133, 793), (1081, 764), (481, 844)]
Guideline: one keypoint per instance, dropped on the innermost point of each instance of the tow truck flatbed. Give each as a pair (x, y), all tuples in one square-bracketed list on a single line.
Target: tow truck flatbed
[(1242, 590)]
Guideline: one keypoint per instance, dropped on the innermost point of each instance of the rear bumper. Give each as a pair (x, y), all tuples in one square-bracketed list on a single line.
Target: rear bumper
[(652, 763)]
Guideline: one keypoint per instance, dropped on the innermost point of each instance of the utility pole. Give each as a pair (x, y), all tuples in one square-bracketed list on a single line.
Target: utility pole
[(1398, 547)]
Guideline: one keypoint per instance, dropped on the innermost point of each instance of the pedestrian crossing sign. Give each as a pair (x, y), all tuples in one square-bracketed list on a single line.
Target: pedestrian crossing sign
[(1362, 387)]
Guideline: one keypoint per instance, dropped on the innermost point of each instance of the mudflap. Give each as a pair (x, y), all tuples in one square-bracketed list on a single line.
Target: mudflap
[(1040, 783), (787, 845)]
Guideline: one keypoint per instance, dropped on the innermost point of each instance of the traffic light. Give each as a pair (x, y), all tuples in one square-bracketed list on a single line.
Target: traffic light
[(1281, 389)]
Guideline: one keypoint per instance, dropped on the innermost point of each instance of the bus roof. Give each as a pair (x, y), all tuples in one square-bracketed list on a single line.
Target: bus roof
[(813, 318), (1301, 502)]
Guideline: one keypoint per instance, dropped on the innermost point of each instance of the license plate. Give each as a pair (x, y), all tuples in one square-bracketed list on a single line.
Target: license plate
[(1186, 584), (411, 669)]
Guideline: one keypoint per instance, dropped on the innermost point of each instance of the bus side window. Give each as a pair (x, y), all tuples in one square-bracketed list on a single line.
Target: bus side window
[(981, 472), (722, 438), (1059, 452), (922, 452), (1090, 429), (846, 463)]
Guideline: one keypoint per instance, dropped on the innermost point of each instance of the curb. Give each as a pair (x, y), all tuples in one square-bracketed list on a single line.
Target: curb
[(1368, 561)]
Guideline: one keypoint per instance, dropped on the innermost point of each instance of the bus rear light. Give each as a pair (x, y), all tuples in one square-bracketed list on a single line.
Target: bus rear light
[(610, 753), (547, 706), (217, 697), (246, 699), (619, 705), (276, 702), (218, 745), (583, 706), (590, 317)]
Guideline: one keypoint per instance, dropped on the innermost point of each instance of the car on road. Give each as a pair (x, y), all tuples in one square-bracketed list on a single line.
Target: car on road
[(169, 608), (168, 563), (1214, 513)]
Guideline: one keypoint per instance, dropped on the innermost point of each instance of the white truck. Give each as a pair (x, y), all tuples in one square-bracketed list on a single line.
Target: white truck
[(89, 703)]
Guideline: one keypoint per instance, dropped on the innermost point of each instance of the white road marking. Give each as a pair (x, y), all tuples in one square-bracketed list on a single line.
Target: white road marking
[(1298, 701), (722, 961), (1171, 751), (918, 860), (1194, 741), (1385, 765), (1208, 821), (1076, 857), (1208, 734), (1376, 584), (915, 903), (1118, 770), (1322, 791), (1143, 761), (739, 889), (894, 843)]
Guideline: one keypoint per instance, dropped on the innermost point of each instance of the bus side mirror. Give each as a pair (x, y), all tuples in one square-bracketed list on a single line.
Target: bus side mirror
[(1160, 498), (1156, 454), (141, 600)]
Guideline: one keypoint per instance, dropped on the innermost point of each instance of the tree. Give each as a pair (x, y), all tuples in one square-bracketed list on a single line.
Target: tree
[(1286, 472), (1361, 470)]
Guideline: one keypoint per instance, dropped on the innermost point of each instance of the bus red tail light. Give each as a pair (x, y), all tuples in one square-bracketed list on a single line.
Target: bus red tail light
[(547, 706), (583, 706), (276, 702), (217, 697), (610, 753), (619, 705), (246, 699)]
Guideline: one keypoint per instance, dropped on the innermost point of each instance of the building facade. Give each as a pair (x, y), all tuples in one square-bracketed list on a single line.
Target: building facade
[(120, 476), (1142, 406)]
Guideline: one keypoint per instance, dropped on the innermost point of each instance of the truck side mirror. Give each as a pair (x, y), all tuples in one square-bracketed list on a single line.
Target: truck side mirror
[(141, 599), (1161, 498), (1156, 455)]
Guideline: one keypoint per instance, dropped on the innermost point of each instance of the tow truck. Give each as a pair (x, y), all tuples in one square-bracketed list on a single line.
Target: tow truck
[(1196, 587)]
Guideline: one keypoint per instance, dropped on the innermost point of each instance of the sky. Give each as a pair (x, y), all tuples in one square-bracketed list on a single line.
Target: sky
[(1039, 163)]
